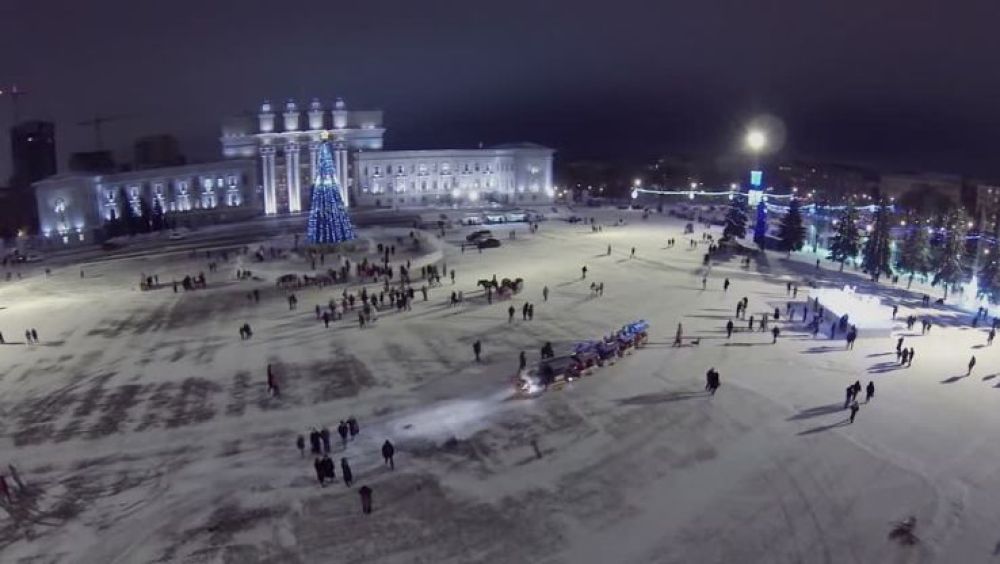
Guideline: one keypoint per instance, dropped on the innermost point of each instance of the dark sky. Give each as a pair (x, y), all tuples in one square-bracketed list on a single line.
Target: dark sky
[(896, 83)]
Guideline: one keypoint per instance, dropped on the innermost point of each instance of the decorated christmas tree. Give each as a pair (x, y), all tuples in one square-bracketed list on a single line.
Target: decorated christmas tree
[(328, 219)]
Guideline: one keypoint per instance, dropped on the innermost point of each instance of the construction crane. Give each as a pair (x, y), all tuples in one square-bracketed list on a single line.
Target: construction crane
[(97, 122), (12, 92)]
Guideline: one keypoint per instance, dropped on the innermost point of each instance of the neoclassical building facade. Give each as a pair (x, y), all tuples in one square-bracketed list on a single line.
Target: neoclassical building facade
[(285, 145), (72, 205)]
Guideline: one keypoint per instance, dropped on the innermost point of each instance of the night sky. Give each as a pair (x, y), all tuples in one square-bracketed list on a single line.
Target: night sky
[(900, 84)]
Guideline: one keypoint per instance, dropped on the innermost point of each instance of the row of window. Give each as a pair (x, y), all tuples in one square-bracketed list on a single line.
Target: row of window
[(400, 186), (435, 168)]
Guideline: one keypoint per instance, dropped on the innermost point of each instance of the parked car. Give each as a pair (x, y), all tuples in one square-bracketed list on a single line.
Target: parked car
[(475, 235), (175, 236), (472, 219), (488, 243), (516, 216), (495, 218)]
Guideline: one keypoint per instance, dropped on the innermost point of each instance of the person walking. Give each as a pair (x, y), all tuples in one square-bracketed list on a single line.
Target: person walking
[(366, 499), (300, 442), (989, 337), (909, 361), (725, 285), (972, 364), (633, 253), (584, 271), (324, 438), (477, 348), (510, 314), (678, 337), (609, 250), (342, 431), (352, 427), (899, 345), (854, 410), (848, 396), (522, 361), (729, 328), (388, 451), (869, 391), (320, 471), (545, 294), (774, 333), (345, 471)]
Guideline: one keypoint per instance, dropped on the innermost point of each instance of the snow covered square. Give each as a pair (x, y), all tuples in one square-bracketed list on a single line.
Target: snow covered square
[(142, 429)]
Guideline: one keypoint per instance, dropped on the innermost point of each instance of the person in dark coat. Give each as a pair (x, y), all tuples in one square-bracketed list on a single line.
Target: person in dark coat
[(775, 332), (324, 437), (387, 453), (857, 389), (854, 409), (366, 499), (477, 348), (314, 441), (869, 391), (352, 426), (301, 443), (342, 431), (329, 470), (729, 328), (522, 360), (345, 470), (848, 396), (510, 314), (909, 361), (972, 364), (320, 471)]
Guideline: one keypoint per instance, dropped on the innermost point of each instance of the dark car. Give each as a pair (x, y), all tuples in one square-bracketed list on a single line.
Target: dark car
[(476, 235), (488, 243)]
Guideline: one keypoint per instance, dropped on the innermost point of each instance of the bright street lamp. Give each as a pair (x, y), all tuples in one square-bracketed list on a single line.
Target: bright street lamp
[(756, 140)]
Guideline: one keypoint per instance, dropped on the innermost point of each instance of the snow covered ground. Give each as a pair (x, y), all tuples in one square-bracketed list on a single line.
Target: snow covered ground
[(144, 433)]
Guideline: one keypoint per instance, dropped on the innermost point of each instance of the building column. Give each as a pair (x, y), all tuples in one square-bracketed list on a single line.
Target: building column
[(292, 150), (313, 161), (341, 160), (267, 174)]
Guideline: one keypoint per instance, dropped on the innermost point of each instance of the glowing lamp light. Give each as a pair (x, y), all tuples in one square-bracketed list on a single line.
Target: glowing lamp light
[(902, 222), (756, 140), (868, 228), (456, 193), (635, 194), (694, 185), (733, 186), (730, 196), (690, 195), (637, 182)]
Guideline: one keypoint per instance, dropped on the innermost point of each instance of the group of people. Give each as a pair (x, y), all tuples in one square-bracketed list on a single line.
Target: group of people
[(319, 441), (851, 397), (30, 337)]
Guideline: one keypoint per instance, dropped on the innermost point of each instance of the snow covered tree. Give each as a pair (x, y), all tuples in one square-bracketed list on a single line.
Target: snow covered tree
[(129, 221), (328, 220), (736, 218), (791, 232), (156, 219), (948, 266), (914, 253), (760, 225), (877, 251), (145, 218), (845, 242)]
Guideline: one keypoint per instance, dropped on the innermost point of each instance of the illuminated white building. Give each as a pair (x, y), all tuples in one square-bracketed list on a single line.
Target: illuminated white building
[(286, 147), (519, 173), (72, 205)]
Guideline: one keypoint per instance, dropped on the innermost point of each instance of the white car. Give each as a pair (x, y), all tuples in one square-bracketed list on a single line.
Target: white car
[(175, 236)]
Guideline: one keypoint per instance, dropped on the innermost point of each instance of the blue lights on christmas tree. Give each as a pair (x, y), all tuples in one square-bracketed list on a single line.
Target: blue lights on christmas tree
[(328, 219), (760, 227)]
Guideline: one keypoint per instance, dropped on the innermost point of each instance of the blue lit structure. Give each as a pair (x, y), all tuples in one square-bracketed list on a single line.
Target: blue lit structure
[(328, 220)]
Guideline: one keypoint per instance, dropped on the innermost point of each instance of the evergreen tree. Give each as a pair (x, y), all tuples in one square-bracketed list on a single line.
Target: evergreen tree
[(914, 253), (760, 226), (144, 221), (791, 232), (877, 252), (736, 218), (328, 220), (128, 220), (948, 266), (845, 242), (989, 276), (156, 219)]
